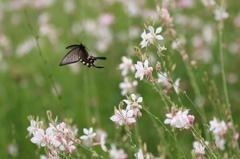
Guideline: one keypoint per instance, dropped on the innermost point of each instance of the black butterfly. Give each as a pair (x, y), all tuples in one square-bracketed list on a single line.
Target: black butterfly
[(79, 53)]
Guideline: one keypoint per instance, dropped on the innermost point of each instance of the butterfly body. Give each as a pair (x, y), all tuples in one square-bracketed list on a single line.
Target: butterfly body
[(79, 53)]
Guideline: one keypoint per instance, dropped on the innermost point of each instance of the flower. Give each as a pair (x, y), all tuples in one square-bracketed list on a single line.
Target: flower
[(198, 148), (123, 117), (176, 85), (143, 69), (208, 2), (34, 126), (102, 142), (139, 154), (39, 138), (133, 103), (219, 129), (150, 37), (220, 14), (117, 153), (127, 86), (179, 119), (89, 134), (162, 78), (126, 65), (100, 138)]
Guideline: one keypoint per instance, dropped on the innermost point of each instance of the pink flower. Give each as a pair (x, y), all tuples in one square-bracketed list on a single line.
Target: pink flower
[(191, 119), (106, 19)]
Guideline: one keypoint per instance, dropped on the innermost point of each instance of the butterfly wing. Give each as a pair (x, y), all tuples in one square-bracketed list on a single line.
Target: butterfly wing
[(71, 57)]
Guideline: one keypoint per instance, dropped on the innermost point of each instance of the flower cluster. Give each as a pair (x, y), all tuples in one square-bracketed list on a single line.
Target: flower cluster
[(58, 139), (130, 114), (61, 138), (199, 149), (219, 129), (127, 86), (179, 119)]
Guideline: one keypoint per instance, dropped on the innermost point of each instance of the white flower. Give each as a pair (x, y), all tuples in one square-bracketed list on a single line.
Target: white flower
[(34, 126), (218, 129), (123, 117), (26, 47), (127, 86), (220, 142), (150, 37), (133, 103), (208, 2), (144, 36), (198, 148), (102, 142), (126, 65), (178, 120), (162, 78), (89, 134), (117, 153), (220, 14), (176, 85), (139, 154), (143, 69), (38, 138)]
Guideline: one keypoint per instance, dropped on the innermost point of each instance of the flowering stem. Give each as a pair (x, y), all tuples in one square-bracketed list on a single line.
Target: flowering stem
[(224, 83), (200, 139), (92, 151), (166, 129), (197, 94), (94, 93), (86, 99), (49, 74), (129, 134)]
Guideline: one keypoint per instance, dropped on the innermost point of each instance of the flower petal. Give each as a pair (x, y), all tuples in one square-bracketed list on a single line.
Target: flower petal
[(159, 29)]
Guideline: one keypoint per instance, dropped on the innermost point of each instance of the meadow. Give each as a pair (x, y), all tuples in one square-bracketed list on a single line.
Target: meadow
[(169, 87)]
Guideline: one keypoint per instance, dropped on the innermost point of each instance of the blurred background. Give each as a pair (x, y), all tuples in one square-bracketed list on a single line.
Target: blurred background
[(33, 38)]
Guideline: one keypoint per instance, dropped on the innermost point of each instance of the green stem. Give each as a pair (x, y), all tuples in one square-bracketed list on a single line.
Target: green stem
[(86, 99), (225, 83)]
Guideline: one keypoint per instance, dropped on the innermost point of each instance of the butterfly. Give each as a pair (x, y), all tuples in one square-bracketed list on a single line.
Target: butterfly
[(79, 53)]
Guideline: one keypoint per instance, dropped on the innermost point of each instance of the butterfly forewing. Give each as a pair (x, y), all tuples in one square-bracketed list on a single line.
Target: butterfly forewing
[(72, 57)]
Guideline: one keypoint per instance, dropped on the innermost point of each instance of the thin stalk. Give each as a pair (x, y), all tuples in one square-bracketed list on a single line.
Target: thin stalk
[(49, 73), (172, 135), (86, 98), (224, 83)]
